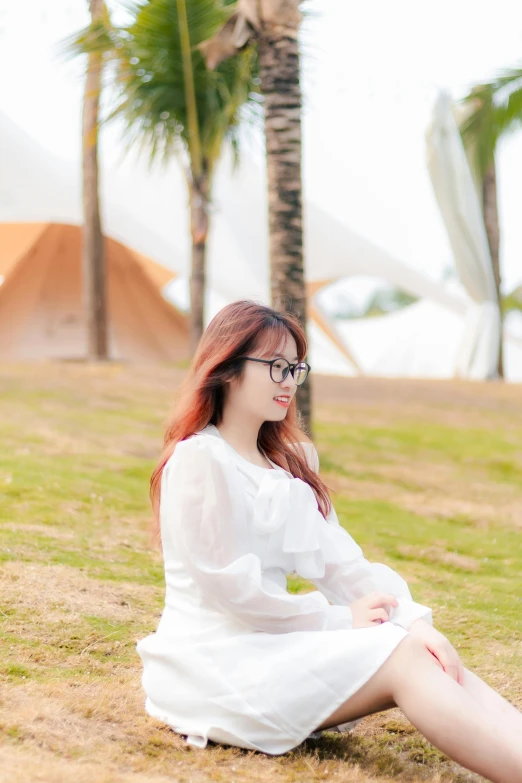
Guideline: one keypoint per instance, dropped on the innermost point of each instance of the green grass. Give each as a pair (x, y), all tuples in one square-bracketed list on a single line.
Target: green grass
[(482, 453), (80, 583)]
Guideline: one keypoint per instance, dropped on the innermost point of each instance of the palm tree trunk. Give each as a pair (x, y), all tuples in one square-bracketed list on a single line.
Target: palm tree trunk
[(93, 250), (199, 197), (199, 186), (280, 86), (490, 208)]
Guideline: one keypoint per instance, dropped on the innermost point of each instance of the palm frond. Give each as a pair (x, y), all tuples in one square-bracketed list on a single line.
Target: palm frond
[(493, 110), (145, 66)]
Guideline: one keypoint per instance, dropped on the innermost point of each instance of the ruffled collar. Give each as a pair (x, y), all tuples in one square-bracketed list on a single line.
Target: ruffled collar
[(286, 511), (211, 429)]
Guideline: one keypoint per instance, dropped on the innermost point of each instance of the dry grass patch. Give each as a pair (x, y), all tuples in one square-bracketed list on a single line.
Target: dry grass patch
[(66, 729), (426, 478), (61, 589), (437, 553)]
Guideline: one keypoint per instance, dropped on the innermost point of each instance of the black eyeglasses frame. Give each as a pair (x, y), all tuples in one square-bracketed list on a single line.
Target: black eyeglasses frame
[(291, 367)]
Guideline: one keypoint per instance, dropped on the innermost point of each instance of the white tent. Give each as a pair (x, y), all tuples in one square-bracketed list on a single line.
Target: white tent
[(145, 217), (410, 337), (238, 267), (146, 211), (426, 339)]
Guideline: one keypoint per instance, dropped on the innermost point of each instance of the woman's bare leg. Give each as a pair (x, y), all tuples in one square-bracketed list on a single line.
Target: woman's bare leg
[(442, 710), (498, 707)]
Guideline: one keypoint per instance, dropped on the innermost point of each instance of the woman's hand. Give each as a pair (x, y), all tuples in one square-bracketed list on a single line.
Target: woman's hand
[(442, 650), (369, 610)]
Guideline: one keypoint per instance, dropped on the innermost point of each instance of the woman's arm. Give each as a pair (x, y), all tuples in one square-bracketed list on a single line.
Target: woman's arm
[(347, 581)]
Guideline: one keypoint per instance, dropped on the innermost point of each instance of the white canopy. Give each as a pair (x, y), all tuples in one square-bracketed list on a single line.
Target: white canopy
[(144, 211), (147, 211)]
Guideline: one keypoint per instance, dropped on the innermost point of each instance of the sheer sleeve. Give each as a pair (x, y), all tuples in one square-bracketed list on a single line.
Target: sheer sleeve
[(203, 511), (354, 577)]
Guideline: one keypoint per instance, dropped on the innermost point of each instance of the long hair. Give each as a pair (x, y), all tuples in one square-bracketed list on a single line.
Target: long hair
[(234, 332)]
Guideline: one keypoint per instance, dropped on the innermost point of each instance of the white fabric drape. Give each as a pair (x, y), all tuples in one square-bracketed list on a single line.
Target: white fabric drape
[(462, 214)]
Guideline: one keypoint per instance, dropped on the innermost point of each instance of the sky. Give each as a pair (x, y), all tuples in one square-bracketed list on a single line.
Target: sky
[(371, 74)]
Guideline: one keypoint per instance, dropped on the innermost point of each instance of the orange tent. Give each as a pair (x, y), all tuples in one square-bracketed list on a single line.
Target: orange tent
[(41, 313)]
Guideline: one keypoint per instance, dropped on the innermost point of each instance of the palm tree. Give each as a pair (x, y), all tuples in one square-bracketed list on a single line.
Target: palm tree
[(273, 25), (493, 109), (172, 105), (93, 246)]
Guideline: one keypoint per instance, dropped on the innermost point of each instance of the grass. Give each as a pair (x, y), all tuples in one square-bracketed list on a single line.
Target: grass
[(425, 476)]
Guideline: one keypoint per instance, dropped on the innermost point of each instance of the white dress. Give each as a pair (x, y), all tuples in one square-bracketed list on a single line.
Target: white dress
[(236, 658)]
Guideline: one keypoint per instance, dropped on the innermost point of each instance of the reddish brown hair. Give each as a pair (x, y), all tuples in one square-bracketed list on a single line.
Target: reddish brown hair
[(235, 331)]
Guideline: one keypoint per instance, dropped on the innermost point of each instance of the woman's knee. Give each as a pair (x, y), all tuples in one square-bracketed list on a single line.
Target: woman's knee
[(410, 645), (379, 692), (409, 654)]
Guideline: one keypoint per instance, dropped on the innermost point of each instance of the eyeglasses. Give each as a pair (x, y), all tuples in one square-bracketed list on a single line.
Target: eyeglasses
[(279, 369)]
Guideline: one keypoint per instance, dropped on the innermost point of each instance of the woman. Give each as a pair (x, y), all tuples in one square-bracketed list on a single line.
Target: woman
[(238, 505)]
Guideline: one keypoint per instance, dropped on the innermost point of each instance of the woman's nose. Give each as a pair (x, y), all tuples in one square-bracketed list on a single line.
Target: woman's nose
[(288, 382)]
